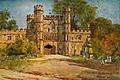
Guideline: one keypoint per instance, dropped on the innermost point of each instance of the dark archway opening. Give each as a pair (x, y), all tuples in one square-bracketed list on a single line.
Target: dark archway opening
[(49, 49), (48, 46)]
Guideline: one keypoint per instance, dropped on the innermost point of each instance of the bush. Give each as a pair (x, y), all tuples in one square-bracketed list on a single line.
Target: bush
[(22, 47), (116, 59), (16, 54)]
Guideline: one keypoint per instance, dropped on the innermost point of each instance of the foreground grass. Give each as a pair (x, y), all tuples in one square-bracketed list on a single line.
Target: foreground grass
[(78, 58), (15, 62)]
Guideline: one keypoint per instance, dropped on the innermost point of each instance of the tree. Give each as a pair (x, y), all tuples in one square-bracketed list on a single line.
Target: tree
[(105, 36), (100, 27), (112, 44), (6, 22), (97, 46), (4, 16), (12, 25), (79, 9)]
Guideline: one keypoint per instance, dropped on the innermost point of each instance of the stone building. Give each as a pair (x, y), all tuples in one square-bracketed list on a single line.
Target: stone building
[(54, 33), (7, 36)]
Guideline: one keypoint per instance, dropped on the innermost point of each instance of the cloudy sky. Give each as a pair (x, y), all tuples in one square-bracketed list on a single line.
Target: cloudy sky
[(20, 8)]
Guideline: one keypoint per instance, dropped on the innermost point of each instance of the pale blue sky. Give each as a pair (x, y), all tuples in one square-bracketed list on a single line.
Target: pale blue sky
[(20, 8)]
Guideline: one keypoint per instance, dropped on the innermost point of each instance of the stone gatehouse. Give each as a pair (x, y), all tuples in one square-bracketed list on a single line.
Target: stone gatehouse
[(54, 33)]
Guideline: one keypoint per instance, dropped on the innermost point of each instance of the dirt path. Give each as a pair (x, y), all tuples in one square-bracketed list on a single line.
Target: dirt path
[(14, 75), (50, 67)]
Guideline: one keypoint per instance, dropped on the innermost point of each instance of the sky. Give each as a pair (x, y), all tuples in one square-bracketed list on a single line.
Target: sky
[(20, 8)]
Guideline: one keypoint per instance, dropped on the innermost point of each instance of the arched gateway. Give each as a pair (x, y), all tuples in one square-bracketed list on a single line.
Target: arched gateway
[(49, 49)]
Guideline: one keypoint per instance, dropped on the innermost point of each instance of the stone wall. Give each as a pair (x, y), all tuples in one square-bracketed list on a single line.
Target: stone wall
[(7, 37)]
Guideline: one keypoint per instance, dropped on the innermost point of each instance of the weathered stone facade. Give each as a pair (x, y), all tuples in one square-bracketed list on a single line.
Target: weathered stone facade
[(7, 37), (54, 34)]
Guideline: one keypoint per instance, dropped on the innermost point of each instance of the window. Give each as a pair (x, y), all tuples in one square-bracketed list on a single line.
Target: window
[(79, 37), (52, 23), (48, 29), (9, 38), (16, 37), (67, 37)]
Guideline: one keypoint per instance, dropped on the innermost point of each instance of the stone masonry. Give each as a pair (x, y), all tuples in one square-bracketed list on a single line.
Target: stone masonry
[(54, 33)]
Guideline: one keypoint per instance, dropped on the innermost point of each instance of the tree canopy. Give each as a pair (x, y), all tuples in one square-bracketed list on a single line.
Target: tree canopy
[(79, 9), (106, 34), (6, 22)]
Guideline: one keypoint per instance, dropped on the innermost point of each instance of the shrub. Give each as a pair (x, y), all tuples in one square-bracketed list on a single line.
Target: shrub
[(22, 47)]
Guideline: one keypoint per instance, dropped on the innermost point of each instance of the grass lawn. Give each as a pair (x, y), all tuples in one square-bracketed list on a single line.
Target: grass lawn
[(78, 58)]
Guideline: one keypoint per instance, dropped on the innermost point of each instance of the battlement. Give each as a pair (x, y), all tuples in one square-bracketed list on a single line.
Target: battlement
[(22, 29), (38, 7), (81, 31), (66, 9), (17, 30), (30, 16), (46, 17)]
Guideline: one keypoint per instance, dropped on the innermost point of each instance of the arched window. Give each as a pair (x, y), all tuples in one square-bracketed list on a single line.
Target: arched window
[(48, 29), (79, 37), (52, 23), (9, 37)]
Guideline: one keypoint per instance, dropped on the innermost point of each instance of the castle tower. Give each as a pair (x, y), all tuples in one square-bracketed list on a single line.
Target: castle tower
[(67, 19), (38, 20), (67, 28), (29, 20), (30, 17)]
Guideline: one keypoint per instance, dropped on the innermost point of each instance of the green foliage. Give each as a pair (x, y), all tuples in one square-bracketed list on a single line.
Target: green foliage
[(100, 27), (115, 28), (116, 59), (6, 22), (17, 54), (12, 25), (97, 46), (22, 47), (79, 8), (105, 37), (78, 58), (12, 62)]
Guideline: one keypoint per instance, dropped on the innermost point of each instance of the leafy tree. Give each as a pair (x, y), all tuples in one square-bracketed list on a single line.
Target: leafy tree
[(12, 25), (79, 9), (97, 46), (100, 27), (115, 28), (4, 16), (105, 37), (6, 22), (112, 44)]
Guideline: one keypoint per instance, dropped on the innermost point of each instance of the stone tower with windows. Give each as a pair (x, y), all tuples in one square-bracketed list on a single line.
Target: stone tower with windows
[(38, 25), (67, 28)]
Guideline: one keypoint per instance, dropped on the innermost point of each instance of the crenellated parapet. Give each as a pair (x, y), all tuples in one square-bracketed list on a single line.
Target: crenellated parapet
[(10, 36), (30, 17), (38, 8), (21, 30), (49, 17), (80, 31)]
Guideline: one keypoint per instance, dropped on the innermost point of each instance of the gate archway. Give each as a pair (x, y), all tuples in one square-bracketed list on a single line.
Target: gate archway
[(49, 49)]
